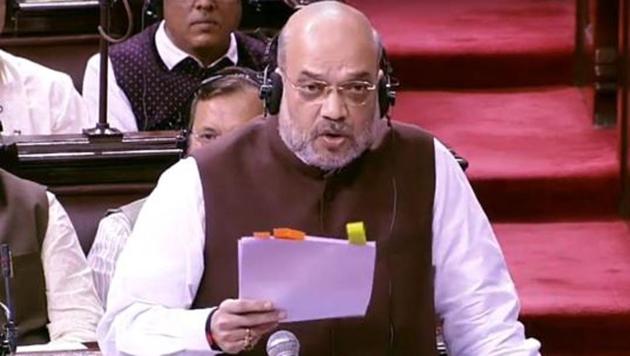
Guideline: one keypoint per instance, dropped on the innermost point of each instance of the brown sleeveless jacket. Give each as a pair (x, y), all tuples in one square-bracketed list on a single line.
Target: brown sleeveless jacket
[(252, 182), (23, 224)]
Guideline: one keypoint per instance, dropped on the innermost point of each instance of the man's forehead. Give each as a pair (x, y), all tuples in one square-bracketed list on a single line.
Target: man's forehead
[(231, 102), (348, 62), (333, 45)]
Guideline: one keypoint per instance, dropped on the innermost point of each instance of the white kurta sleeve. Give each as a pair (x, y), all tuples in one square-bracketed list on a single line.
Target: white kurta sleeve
[(474, 293), (73, 306), (68, 111), (111, 237), (158, 274)]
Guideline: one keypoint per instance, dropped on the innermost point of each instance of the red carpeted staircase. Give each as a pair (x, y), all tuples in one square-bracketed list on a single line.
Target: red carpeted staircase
[(494, 80)]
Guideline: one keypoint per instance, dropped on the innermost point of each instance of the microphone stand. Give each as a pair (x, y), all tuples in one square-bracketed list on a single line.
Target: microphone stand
[(8, 336), (102, 131)]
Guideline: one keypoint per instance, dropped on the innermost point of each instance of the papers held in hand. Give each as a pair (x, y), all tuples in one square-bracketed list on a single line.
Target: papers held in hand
[(313, 278)]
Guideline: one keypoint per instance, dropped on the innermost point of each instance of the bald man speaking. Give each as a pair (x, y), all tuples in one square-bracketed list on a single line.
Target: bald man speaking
[(326, 159)]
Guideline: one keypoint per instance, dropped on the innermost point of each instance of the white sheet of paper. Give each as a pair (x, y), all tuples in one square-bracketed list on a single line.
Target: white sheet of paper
[(317, 278)]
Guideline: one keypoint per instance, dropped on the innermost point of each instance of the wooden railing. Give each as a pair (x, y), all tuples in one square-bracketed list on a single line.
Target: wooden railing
[(582, 56), (91, 177), (596, 55), (605, 25)]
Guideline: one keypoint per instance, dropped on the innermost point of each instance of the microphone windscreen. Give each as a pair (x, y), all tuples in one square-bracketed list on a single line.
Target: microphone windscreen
[(283, 343)]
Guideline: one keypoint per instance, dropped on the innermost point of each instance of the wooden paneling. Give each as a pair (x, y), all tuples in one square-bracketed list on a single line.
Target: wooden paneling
[(606, 56), (623, 96), (91, 177)]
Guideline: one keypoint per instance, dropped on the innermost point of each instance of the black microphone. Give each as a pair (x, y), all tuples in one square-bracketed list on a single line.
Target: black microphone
[(283, 343), (9, 335)]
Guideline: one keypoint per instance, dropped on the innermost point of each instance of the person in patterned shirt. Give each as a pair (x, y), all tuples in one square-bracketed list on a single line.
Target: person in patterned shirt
[(153, 73)]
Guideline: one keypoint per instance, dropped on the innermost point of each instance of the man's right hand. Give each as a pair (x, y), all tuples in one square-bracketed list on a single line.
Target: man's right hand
[(238, 324)]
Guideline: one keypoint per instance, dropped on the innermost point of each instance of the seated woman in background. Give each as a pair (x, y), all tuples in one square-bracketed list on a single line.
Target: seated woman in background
[(52, 288), (35, 100), (221, 104)]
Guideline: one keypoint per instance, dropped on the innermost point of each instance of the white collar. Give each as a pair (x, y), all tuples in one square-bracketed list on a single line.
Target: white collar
[(171, 55)]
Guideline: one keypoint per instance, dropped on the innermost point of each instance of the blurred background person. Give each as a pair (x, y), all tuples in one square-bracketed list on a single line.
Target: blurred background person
[(35, 100), (221, 104), (52, 287), (152, 74)]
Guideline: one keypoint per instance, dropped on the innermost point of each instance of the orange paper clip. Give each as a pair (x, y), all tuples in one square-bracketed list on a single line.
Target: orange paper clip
[(288, 234)]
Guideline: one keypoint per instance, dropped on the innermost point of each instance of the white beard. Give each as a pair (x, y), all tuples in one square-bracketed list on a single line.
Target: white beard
[(302, 143)]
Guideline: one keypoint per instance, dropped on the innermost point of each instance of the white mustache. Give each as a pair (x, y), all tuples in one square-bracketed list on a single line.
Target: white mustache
[(332, 128)]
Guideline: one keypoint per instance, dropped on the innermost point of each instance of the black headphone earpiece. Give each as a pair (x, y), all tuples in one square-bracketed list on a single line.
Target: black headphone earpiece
[(271, 91), (386, 98), (272, 87), (386, 86)]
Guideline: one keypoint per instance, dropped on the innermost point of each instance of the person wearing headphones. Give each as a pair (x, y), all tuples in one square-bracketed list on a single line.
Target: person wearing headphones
[(329, 155), (153, 73), (221, 104)]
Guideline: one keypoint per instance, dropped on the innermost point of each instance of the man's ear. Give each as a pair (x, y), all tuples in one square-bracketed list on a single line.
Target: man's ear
[(380, 75)]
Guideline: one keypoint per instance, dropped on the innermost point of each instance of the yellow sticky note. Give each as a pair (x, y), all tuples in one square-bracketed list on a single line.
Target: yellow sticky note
[(356, 233)]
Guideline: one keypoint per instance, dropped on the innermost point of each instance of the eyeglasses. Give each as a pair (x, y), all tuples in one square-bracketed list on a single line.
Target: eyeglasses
[(354, 92), (204, 137)]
